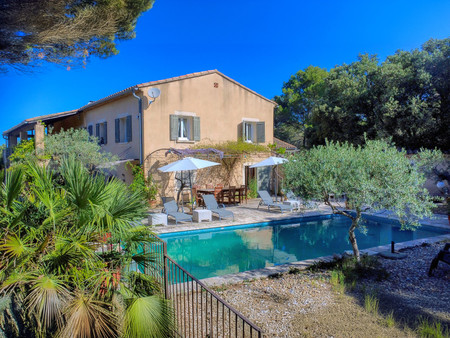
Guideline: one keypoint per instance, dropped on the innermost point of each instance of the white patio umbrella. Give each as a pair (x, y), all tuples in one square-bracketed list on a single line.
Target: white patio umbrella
[(271, 161), (187, 164)]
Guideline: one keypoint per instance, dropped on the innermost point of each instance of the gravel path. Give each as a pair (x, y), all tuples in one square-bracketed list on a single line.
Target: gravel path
[(279, 305)]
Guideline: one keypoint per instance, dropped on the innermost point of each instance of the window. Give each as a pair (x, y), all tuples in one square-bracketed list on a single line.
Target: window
[(101, 132), (90, 130), (184, 128), (252, 131), (123, 129), (249, 131)]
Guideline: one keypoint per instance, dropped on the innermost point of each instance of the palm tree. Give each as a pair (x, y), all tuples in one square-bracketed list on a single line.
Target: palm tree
[(68, 241)]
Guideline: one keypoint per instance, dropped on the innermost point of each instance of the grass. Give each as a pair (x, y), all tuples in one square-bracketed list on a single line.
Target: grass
[(371, 304), (427, 329), (352, 270), (390, 320)]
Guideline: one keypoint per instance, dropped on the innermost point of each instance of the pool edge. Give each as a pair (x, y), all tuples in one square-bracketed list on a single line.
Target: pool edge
[(302, 265)]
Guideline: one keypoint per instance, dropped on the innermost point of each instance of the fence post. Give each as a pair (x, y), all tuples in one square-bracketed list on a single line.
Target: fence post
[(166, 271)]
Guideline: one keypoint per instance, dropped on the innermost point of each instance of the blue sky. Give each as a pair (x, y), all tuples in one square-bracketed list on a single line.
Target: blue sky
[(258, 43)]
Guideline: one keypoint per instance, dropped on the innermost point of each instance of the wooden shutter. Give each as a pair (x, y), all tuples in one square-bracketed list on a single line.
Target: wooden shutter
[(117, 130), (105, 136), (173, 127), (129, 129), (240, 131), (97, 130), (90, 130), (260, 132), (196, 128)]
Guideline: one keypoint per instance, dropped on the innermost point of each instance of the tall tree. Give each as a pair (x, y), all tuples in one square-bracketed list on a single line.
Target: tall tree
[(67, 32), (300, 94), (405, 98)]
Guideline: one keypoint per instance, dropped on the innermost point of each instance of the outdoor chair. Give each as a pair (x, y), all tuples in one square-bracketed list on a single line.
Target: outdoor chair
[(243, 193), (443, 255), (307, 204), (218, 194), (196, 197), (219, 210), (171, 209), (266, 200)]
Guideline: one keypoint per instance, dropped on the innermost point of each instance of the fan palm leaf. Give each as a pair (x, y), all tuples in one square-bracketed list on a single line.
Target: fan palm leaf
[(47, 299), (148, 317), (12, 186), (87, 317)]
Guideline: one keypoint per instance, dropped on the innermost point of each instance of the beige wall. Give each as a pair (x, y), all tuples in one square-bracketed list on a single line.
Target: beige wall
[(220, 104), (109, 112), (220, 109)]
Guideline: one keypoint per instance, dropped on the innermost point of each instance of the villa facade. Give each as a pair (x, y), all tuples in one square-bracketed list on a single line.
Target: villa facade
[(193, 110)]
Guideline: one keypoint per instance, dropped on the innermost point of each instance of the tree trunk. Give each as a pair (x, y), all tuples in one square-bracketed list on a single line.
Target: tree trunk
[(351, 234)]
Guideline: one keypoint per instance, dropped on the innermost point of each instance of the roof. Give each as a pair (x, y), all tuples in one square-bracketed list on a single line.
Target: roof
[(41, 118), (283, 144), (129, 90)]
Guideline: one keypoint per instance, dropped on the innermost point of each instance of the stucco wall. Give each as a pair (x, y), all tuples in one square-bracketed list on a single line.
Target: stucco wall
[(220, 104), (109, 112)]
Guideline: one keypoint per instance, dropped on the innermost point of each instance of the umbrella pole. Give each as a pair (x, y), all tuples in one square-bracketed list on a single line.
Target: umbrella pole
[(276, 183)]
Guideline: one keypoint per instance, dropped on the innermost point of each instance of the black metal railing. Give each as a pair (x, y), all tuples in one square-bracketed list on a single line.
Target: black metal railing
[(199, 311)]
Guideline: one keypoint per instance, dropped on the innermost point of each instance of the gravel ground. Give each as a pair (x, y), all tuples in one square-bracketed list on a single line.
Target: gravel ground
[(305, 304)]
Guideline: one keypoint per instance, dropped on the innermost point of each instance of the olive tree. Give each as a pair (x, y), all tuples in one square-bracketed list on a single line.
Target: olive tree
[(372, 177)]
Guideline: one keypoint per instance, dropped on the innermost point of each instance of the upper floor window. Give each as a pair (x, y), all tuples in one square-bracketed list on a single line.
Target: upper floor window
[(252, 131), (101, 132), (184, 128), (123, 129), (249, 131)]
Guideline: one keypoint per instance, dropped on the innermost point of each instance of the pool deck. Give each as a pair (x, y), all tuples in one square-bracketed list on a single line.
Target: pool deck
[(247, 213)]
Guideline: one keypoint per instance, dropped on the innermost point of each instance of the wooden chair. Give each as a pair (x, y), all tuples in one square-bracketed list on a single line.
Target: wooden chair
[(243, 193), (232, 194), (218, 194), (196, 196)]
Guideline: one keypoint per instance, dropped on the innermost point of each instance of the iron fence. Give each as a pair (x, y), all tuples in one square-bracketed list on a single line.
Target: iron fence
[(199, 311)]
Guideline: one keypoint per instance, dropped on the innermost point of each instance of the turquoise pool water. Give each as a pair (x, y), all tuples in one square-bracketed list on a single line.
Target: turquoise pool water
[(216, 252)]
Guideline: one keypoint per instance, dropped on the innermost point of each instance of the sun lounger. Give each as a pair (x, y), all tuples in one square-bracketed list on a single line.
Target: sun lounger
[(266, 200), (219, 210), (171, 209)]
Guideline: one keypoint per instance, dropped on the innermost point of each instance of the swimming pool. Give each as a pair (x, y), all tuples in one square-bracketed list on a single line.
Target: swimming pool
[(215, 252)]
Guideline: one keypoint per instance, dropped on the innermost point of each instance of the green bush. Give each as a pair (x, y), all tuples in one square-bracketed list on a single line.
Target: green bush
[(142, 184), (252, 188)]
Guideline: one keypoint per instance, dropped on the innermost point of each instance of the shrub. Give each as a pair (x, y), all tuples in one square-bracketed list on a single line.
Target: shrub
[(252, 188)]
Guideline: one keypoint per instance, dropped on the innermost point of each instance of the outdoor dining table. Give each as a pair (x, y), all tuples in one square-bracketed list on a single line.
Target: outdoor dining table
[(210, 191)]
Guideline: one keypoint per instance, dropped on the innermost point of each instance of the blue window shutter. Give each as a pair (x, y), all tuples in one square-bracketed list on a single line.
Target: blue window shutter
[(196, 128), (129, 136), (105, 136), (173, 127), (117, 130), (260, 132), (90, 130)]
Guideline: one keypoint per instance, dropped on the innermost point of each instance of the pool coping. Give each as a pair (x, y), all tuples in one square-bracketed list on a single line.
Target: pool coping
[(302, 265)]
